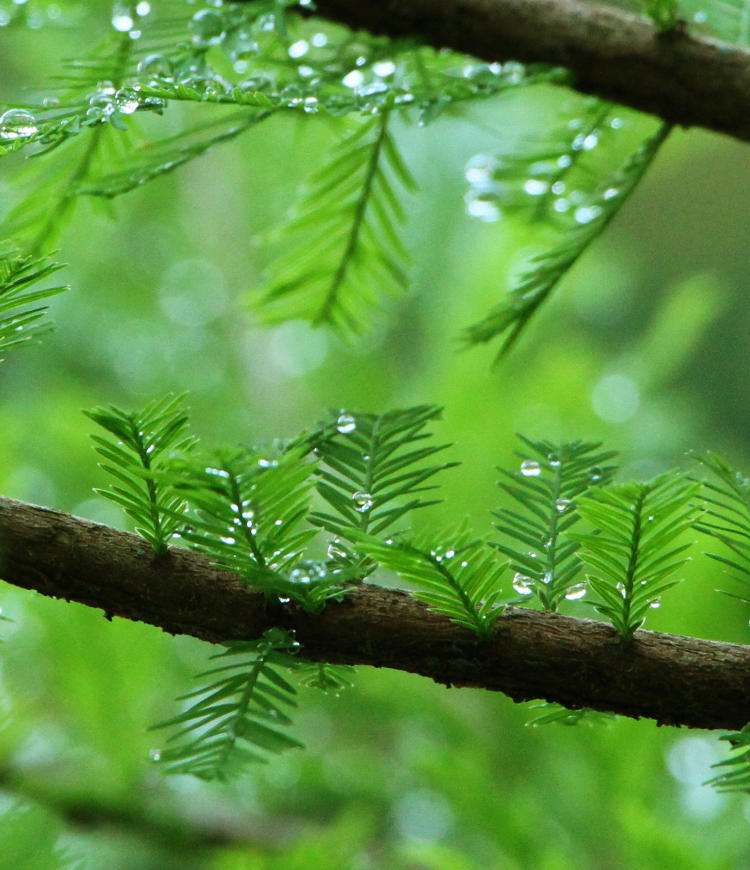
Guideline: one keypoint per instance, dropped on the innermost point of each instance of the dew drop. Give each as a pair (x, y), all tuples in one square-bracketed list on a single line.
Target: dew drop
[(575, 593), (362, 501), (522, 584), (596, 474), (535, 187), (154, 754), (530, 468), (563, 504), (207, 27), (554, 460), (655, 604), (336, 551), (346, 423), (298, 48), (284, 599), (156, 65), (126, 100), (17, 124), (586, 213), (480, 168), (122, 20)]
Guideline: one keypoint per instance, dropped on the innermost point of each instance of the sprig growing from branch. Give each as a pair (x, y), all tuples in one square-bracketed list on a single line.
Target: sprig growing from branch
[(138, 455), (550, 479), (234, 720), (631, 554)]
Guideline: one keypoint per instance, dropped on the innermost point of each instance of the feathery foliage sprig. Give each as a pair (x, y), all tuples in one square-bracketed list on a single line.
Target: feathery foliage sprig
[(342, 241), (550, 479), (373, 472), (235, 719), (590, 217), (454, 573), (727, 517), (247, 511), (138, 455), (631, 554), (20, 316), (736, 777)]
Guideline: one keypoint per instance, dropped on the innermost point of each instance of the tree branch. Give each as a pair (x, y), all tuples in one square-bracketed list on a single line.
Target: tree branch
[(684, 78), (576, 662)]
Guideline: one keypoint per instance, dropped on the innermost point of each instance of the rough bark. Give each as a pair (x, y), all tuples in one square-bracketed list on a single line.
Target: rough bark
[(682, 77), (580, 663)]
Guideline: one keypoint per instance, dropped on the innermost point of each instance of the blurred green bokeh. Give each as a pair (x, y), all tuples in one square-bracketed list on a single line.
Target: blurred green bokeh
[(644, 347)]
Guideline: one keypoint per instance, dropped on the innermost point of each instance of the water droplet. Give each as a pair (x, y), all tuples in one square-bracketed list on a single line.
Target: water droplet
[(522, 584), (207, 27), (591, 141), (547, 577), (17, 124), (126, 100), (298, 48), (530, 468), (586, 213), (154, 754), (156, 65), (267, 463), (563, 504), (483, 204), (561, 205), (564, 161), (449, 554), (480, 169), (576, 592), (655, 604), (217, 472), (336, 551), (535, 187), (610, 193), (353, 79), (700, 17), (620, 587), (278, 522), (362, 501), (319, 40), (558, 187), (650, 518), (122, 20), (143, 8), (227, 540), (554, 460), (284, 599), (384, 68), (308, 572), (346, 423), (596, 473)]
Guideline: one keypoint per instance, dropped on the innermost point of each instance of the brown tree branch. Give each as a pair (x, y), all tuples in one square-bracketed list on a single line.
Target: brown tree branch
[(579, 663), (684, 78)]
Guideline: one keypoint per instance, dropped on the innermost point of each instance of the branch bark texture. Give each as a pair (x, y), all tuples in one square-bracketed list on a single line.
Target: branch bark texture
[(579, 663), (683, 78)]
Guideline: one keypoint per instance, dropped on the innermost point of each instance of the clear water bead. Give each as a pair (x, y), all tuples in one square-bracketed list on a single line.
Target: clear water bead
[(346, 423), (17, 124), (362, 501), (530, 468), (522, 584), (575, 593), (207, 27)]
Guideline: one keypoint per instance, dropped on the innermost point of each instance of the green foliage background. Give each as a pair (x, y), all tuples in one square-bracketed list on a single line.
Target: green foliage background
[(398, 772)]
